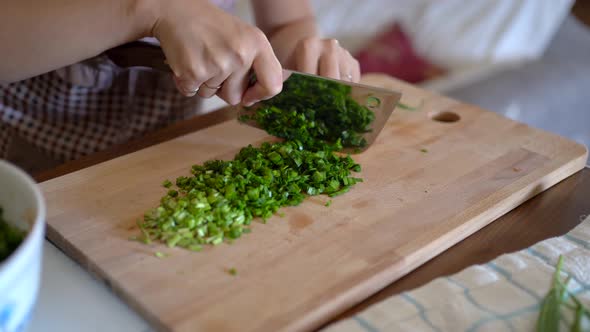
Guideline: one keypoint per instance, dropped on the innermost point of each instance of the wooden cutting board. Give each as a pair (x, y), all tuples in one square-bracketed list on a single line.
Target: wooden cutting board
[(430, 181)]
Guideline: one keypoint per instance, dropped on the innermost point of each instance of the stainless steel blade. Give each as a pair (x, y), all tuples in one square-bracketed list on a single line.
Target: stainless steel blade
[(380, 101)]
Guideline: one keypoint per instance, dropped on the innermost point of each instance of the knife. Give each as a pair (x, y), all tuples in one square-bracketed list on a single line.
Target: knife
[(380, 101)]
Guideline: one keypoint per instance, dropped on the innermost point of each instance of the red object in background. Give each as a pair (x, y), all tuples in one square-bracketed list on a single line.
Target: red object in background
[(392, 53)]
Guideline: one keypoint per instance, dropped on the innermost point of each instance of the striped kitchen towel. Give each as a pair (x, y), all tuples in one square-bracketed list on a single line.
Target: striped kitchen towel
[(503, 295)]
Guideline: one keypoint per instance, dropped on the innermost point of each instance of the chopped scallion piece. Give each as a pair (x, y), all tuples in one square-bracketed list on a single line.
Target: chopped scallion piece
[(550, 314), (406, 107), (160, 254)]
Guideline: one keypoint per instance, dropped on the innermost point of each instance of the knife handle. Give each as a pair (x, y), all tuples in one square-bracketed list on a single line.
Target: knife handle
[(139, 54)]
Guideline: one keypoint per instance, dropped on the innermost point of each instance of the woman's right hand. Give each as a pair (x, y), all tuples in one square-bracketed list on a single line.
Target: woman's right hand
[(207, 48)]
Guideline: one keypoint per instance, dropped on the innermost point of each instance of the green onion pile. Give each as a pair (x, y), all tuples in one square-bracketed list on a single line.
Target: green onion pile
[(315, 112), (10, 237), (221, 198)]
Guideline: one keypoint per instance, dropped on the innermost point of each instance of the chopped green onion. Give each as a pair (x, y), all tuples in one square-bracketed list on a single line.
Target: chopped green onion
[(315, 113), (160, 254), (10, 237), (550, 314), (373, 102), (406, 107), (222, 198), (232, 271)]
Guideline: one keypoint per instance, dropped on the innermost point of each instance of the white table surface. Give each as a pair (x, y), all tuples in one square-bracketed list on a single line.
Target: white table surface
[(72, 300)]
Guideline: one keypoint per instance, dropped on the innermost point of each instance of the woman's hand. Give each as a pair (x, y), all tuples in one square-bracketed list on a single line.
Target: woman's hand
[(324, 57), (293, 33), (211, 52)]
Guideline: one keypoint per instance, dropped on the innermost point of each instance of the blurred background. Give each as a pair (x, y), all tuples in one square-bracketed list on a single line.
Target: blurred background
[(526, 59)]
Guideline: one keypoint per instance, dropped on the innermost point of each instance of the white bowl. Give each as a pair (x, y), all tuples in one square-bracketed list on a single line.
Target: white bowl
[(23, 205)]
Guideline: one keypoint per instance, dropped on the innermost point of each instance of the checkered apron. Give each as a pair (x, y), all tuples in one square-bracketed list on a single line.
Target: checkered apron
[(68, 121)]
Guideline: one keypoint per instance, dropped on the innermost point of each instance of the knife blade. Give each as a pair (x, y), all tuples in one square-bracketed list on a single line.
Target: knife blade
[(381, 102)]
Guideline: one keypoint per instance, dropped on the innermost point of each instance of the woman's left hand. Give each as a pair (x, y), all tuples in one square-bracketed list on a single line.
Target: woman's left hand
[(325, 57), (293, 33)]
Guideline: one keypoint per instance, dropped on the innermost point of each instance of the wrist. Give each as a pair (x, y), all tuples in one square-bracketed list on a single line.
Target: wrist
[(144, 16)]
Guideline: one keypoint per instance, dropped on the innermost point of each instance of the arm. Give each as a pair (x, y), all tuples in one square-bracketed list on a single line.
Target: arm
[(209, 51), (286, 23), (42, 35), (292, 30)]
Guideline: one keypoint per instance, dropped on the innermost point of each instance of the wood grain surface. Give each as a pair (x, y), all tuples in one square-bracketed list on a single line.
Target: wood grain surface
[(297, 272)]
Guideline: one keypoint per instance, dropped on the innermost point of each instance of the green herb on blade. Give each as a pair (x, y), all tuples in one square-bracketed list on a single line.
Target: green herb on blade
[(315, 113), (221, 198)]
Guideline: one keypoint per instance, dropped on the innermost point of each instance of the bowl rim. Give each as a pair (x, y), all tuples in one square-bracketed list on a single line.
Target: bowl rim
[(39, 222)]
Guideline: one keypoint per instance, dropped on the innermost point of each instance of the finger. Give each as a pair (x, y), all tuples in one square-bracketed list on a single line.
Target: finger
[(349, 67), (220, 69), (188, 76), (345, 66), (233, 88), (209, 88), (356, 71), (185, 86), (307, 56), (329, 60), (269, 76)]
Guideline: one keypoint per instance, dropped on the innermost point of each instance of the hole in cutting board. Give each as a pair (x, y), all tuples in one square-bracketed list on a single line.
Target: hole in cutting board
[(445, 116)]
